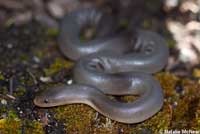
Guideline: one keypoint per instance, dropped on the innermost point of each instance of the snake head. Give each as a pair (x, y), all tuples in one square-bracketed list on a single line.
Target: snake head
[(50, 97), (61, 95)]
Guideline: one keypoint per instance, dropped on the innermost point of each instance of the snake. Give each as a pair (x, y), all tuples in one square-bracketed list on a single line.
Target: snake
[(110, 64)]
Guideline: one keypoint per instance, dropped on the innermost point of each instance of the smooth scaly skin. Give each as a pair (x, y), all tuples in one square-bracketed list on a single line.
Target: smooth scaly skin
[(106, 66)]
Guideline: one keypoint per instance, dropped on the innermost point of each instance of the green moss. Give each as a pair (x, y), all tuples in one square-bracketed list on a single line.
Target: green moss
[(24, 58), (52, 32), (57, 66), (81, 118), (33, 127), (4, 90), (12, 124), (124, 23), (12, 114), (20, 91), (3, 109), (196, 124), (171, 43), (78, 118), (187, 110), (40, 54), (180, 110), (9, 22), (147, 24), (129, 98), (1, 76), (168, 83), (22, 80), (158, 122)]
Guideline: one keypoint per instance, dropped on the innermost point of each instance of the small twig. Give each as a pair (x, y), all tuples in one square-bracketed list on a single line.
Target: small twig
[(96, 116), (10, 96), (33, 77), (7, 96)]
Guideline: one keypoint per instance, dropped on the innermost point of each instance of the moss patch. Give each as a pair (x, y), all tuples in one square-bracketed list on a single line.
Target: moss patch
[(57, 66), (1, 76), (12, 124), (78, 118)]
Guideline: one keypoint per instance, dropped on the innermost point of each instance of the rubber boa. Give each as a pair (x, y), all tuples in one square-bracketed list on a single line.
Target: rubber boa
[(109, 65)]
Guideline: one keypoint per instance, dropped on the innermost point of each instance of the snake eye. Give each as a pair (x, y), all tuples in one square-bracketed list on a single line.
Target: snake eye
[(96, 64), (46, 101), (149, 48)]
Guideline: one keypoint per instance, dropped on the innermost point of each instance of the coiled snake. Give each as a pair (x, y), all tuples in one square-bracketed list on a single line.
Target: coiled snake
[(109, 65)]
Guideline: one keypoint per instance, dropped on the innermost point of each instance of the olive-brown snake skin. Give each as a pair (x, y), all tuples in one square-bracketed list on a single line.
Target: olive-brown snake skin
[(109, 65)]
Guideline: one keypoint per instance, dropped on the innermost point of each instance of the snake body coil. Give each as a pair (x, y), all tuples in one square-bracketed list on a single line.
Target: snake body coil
[(109, 65)]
